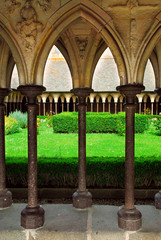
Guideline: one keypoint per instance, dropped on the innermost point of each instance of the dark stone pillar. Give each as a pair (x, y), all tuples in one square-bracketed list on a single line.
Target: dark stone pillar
[(62, 106), (10, 107), (157, 197), (5, 195), (32, 216), (129, 218), (82, 198), (144, 108)]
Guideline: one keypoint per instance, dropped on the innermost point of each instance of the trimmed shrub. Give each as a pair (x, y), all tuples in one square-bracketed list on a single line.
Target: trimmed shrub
[(11, 125), (98, 123), (101, 172), (157, 124), (20, 117)]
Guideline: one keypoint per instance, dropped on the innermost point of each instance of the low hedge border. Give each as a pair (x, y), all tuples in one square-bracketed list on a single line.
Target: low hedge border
[(67, 122), (102, 172)]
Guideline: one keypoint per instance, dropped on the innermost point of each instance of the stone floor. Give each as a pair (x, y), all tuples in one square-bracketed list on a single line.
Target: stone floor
[(63, 222)]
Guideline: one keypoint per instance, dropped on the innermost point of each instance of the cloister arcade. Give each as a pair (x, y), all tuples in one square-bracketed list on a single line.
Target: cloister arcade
[(81, 30)]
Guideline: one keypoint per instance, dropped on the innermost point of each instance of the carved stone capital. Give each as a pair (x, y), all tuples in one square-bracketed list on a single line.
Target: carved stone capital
[(3, 93), (82, 93), (130, 91), (31, 91), (158, 91)]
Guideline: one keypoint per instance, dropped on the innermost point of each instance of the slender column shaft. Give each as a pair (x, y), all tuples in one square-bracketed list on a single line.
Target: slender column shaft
[(39, 106), (97, 107), (129, 156), (144, 108), (32, 155), (21, 106), (62, 107), (51, 107), (32, 216), (120, 106), (10, 107), (67, 107), (82, 198), (2, 149), (5, 195), (129, 218), (103, 107), (44, 109), (115, 107), (82, 146), (56, 108), (139, 107), (74, 107), (157, 109), (152, 108), (91, 106), (109, 107)]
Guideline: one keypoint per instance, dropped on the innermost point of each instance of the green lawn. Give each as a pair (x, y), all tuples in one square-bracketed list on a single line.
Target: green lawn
[(56, 145)]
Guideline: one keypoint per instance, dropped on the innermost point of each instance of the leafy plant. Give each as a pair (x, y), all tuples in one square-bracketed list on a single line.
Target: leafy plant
[(20, 117), (11, 125)]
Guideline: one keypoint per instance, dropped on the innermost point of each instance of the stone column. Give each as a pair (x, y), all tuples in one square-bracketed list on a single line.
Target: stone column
[(67, 106), (73, 106), (82, 198), (152, 108), (144, 108), (91, 106), (157, 197), (21, 106), (115, 107), (121, 106), (129, 218), (139, 107), (32, 216), (56, 107), (62, 106), (39, 108), (157, 108), (5, 195), (109, 107), (97, 107), (44, 109), (104, 106), (51, 107)]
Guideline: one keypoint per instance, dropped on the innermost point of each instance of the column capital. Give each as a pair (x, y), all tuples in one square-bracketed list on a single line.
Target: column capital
[(31, 91), (3, 93), (82, 93), (130, 91), (158, 91)]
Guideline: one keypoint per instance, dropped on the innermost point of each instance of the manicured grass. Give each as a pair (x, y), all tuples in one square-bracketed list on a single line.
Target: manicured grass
[(52, 145)]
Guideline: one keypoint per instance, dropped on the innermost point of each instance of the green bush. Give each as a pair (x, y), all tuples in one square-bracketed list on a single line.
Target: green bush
[(101, 172), (157, 124), (11, 125), (20, 117), (98, 123)]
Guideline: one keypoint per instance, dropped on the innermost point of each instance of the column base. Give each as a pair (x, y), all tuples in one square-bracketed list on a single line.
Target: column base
[(5, 198), (32, 218), (82, 200), (129, 219), (158, 200)]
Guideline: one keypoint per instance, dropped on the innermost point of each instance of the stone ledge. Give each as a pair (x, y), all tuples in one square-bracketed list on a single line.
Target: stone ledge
[(63, 222)]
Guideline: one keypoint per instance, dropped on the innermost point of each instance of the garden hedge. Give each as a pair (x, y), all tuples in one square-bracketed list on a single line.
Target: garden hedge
[(67, 122), (101, 172)]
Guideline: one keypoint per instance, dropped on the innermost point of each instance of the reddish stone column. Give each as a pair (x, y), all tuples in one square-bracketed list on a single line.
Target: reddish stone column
[(157, 197), (129, 218), (44, 109), (32, 216), (157, 108), (144, 108), (39, 107), (91, 106), (5, 195), (139, 107), (56, 108), (152, 108), (115, 107), (109, 107), (97, 107), (51, 107), (62, 106), (67, 107), (121, 106), (74, 107), (104, 107), (82, 198)]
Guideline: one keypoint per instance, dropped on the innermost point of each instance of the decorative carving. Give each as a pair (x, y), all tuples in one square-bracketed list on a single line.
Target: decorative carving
[(133, 4), (45, 5), (82, 44), (11, 5), (29, 27)]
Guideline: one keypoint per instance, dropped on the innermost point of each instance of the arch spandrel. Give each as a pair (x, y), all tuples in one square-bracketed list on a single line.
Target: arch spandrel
[(61, 20)]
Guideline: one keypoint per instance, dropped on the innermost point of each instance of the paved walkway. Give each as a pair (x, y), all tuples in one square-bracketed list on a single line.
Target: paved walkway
[(63, 222)]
